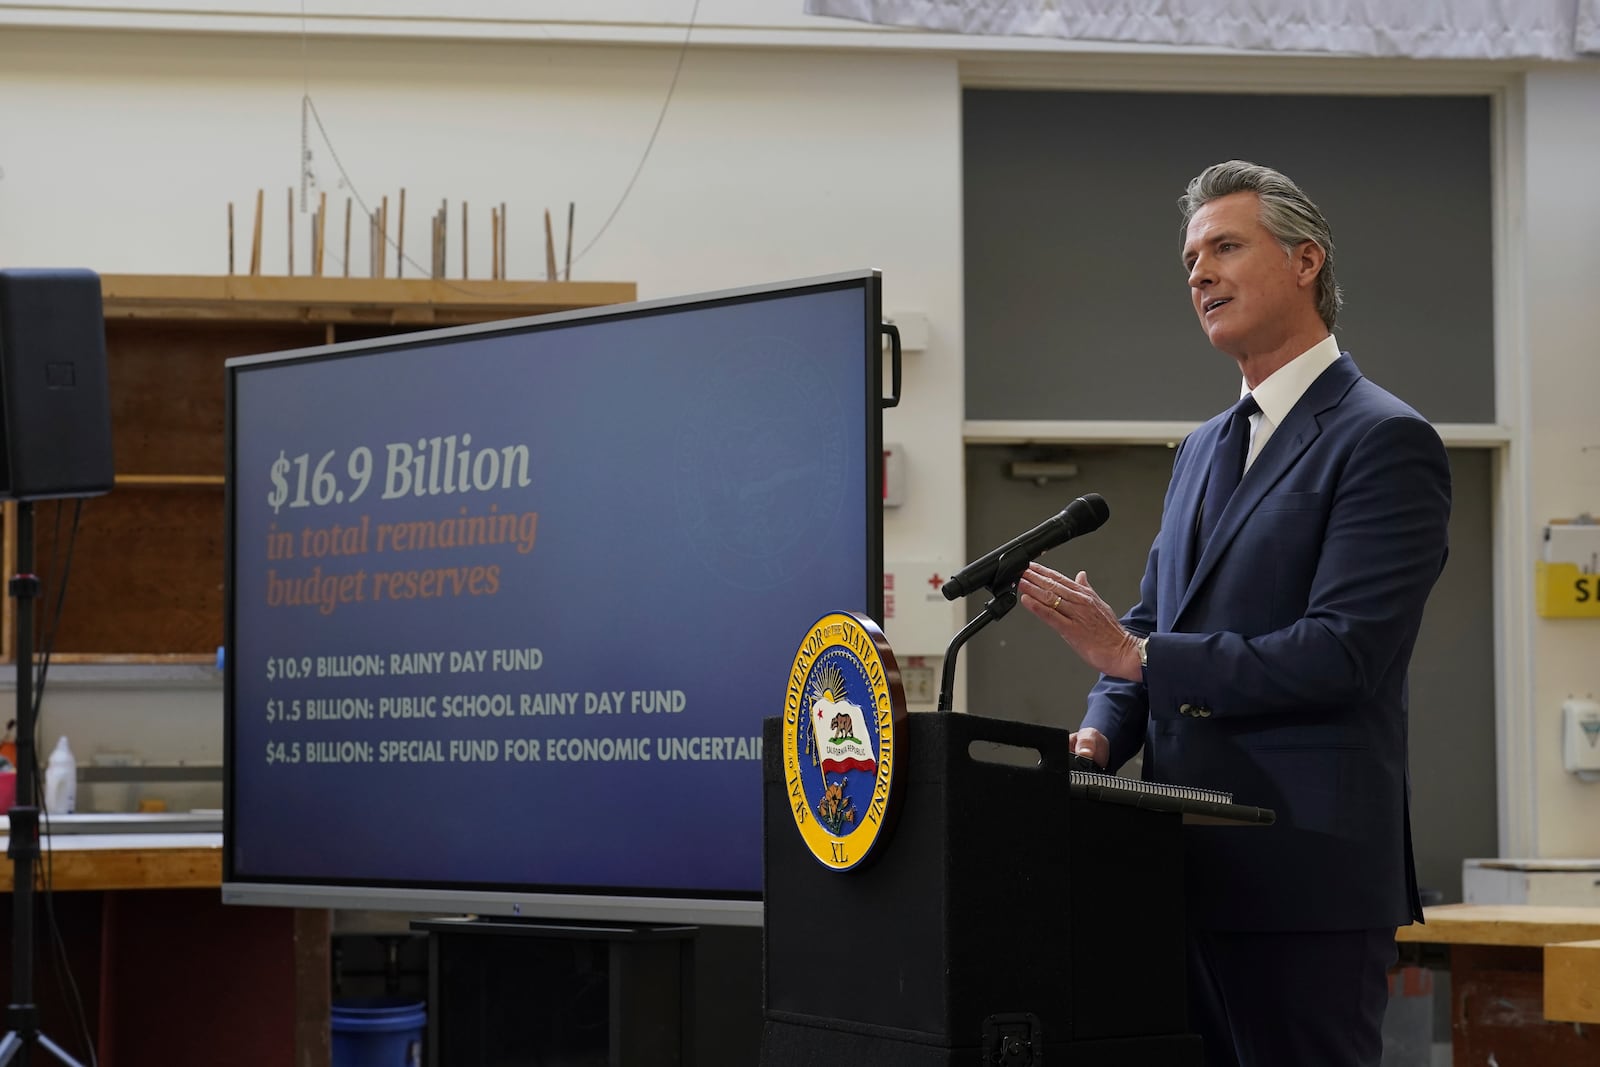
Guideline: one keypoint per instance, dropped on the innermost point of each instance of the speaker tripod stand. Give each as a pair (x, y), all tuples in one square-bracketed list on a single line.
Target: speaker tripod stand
[(22, 1015)]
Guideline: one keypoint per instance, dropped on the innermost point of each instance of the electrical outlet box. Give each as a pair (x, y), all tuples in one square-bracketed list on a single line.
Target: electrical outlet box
[(913, 326), (1580, 738)]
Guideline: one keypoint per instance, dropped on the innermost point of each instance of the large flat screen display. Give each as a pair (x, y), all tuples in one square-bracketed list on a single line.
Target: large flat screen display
[(508, 604)]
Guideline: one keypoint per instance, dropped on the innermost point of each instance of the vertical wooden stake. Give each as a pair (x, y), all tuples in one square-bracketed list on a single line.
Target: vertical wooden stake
[(503, 233), (347, 237), (494, 244), (549, 248), (255, 240), (463, 240), (572, 208), (322, 232), (400, 244), (433, 263), (291, 231), (230, 237), (383, 238)]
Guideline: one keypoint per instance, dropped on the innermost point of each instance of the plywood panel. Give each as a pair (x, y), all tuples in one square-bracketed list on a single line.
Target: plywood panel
[(166, 378), (147, 571), (1572, 982)]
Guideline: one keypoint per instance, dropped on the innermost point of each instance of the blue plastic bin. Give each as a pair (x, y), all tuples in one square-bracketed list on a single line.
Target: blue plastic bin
[(378, 1032)]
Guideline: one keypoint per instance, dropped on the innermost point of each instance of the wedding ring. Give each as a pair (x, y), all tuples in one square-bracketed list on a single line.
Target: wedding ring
[(1057, 605)]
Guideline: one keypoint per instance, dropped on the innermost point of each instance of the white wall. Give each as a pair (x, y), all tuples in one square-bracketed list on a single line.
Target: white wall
[(120, 152), (1562, 282)]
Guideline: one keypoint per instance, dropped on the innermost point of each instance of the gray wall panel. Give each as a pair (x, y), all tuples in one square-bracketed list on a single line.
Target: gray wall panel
[(1077, 306)]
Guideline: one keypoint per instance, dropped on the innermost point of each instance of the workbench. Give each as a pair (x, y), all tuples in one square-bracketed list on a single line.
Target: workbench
[(166, 973), (1524, 981)]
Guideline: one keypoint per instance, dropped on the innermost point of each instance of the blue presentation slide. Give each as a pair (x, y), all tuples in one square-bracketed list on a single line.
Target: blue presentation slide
[(508, 608)]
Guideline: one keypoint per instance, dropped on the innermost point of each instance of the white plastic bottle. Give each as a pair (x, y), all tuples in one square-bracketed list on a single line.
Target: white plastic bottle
[(61, 780)]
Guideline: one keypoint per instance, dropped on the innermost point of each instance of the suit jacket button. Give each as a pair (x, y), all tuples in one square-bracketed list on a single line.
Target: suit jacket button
[(1204, 713), (1185, 709)]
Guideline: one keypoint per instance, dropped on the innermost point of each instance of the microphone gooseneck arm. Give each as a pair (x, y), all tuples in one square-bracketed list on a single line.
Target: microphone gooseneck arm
[(1003, 602)]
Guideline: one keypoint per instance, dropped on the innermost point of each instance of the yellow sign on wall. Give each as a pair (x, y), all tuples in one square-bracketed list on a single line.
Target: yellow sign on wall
[(1564, 591)]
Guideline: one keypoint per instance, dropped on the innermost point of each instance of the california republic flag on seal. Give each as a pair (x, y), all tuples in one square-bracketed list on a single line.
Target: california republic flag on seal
[(839, 730)]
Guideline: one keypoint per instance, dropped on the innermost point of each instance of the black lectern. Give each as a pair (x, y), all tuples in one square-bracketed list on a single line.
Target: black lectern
[(1010, 917)]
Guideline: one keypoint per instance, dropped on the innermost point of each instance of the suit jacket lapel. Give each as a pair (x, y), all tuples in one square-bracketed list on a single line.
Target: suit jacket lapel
[(1289, 442), (1186, 513)]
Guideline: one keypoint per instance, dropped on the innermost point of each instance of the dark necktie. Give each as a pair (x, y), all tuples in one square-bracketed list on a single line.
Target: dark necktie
[(1227, 466)]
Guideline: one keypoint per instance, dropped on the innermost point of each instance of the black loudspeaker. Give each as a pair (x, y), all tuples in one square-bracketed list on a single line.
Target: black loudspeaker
[(55, 407)]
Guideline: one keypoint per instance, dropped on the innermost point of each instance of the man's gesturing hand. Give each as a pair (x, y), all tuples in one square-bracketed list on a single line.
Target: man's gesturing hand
[(1072, 608)]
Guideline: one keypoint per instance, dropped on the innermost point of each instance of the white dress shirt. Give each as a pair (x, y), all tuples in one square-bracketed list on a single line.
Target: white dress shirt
[(1282, 390)]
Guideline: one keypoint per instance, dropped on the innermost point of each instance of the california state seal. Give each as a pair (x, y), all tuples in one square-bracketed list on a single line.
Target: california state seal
[(844, 713)]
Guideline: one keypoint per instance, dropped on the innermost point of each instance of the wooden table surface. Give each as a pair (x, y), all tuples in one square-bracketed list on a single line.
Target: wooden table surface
[(129, 861), (1524, 925)]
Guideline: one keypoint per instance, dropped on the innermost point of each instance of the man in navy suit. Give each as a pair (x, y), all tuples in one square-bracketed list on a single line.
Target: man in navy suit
[(1300, 536)]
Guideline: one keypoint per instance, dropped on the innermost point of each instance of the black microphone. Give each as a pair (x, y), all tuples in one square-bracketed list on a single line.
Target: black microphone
[(1006, 563)]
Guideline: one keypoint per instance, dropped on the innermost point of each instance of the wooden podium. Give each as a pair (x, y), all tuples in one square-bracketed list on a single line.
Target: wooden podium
[(1010, 917)]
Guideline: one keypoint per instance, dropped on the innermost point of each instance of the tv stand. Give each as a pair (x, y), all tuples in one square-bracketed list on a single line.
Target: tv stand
[(504, 990)]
